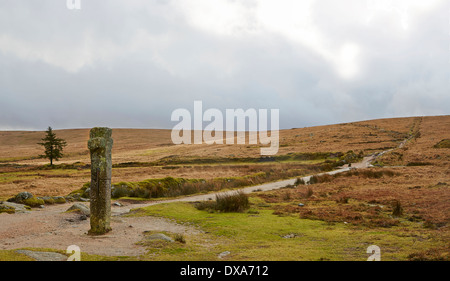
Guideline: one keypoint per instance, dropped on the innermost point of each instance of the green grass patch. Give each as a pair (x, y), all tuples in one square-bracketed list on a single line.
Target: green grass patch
[(263, 236), (12, 255)]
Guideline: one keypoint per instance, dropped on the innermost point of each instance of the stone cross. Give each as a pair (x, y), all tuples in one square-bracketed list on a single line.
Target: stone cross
[(100, 145)]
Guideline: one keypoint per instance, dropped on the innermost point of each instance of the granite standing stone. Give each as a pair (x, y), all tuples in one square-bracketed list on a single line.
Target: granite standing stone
[(100, 145)]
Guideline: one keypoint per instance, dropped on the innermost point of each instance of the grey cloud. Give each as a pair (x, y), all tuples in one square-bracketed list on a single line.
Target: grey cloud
[(131, 64)]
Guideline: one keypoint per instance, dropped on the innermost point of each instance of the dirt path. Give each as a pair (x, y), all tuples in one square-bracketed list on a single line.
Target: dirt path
[(50, 227)]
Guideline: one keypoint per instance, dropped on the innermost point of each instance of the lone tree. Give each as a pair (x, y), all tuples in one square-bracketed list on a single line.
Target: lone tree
[(53, 146)]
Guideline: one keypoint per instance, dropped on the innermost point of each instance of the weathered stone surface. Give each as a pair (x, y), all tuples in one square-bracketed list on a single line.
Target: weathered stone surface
[(18, 208), (59, 200), (28, 199), (223, 254), (19, 198), (6, 209), (48, 200), (159, 236), (100, 146), (81, 208), (43, 256)]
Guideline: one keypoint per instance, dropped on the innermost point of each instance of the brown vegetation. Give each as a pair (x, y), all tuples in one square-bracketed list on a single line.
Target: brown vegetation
[(420, 194)]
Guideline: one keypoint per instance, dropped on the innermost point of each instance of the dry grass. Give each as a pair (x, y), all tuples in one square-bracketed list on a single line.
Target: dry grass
[(423, 195), (145, 146), (142, 145), (413, 198)]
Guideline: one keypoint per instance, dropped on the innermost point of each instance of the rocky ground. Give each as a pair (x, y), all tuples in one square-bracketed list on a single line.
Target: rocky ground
[(53, 227)]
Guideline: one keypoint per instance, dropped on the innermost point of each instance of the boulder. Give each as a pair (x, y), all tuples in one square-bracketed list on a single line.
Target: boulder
[(19, 198), (48, 200), (11, 208), (28, 199), (81, 208), (59, 199), (33, 202), (6, 209)]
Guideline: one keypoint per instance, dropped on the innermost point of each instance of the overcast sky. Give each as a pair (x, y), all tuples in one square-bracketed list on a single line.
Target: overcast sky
[(129, 64)]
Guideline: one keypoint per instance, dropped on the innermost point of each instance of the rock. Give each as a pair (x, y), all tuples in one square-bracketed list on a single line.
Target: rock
[(81, 208), (59, 199), (33, 202), (301, 204), (77, 219), (160, 236), (223, 254), (43, 256), (6, 209), (47, 200), (100, 144), (117, 204), (9, 207), (27, 199), (20, 197), (75, 197)]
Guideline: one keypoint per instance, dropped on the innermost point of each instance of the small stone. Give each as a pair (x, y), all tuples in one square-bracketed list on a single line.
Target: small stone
[(223, 254), (160, 236), (117, 204), (301, 204)]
